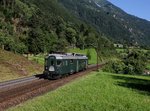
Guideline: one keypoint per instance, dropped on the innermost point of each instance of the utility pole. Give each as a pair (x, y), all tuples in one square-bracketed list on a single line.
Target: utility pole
[(97, 58)]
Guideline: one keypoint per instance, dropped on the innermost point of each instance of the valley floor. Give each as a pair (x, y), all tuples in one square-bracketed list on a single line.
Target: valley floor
[(98, 91)]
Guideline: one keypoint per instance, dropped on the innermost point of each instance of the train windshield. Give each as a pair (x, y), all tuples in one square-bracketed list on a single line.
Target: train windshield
[(59, 62), (52, 61)]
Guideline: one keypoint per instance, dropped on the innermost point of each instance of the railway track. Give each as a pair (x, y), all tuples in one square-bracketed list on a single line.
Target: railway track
[(18, 81), (16, 91)]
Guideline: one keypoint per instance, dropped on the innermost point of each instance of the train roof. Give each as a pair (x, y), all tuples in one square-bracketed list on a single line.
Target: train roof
[(69, 56)]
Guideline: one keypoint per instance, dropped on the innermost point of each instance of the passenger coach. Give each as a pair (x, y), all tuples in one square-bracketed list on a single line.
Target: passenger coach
[(57, 65)]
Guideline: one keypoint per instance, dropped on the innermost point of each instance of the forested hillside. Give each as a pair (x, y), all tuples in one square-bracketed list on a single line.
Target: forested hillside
[(111, 20), (31, 26)]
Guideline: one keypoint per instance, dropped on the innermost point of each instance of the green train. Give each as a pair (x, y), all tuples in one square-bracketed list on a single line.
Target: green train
[(58, 65)]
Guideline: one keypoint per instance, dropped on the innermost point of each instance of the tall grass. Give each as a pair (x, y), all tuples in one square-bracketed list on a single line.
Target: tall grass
[(38, 59), (95, 92)]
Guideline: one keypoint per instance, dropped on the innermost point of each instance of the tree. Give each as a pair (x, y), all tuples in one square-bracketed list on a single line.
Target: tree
[(81, 41), (36, 41), (114, 66), (61, 45), (70, 35), (88, 54), (135, 62), (7, 3)]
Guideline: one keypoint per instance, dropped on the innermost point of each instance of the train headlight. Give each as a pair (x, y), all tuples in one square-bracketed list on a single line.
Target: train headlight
[(51, 68)]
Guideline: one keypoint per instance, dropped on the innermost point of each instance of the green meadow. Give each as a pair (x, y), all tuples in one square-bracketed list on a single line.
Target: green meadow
[(98, 91)]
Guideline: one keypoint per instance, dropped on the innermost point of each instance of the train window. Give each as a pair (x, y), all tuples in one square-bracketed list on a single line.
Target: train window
[(71, 61), (59, 62), (66, 63), (52, 63), (63, 63)]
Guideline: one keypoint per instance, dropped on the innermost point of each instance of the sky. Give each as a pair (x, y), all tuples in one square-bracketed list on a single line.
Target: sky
[(139, 8)]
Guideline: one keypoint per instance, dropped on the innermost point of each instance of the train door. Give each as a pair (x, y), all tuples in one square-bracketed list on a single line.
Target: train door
[(52, 62), (86, 64), (77, 66), (71, 66)]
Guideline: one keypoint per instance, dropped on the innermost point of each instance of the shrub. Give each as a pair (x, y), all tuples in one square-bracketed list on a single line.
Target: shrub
[(133, 63), (115, 67), (88, 54)]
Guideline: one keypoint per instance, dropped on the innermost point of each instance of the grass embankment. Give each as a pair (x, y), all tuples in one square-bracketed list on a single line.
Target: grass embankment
[(38, 58), (14, 66), (95, 92)]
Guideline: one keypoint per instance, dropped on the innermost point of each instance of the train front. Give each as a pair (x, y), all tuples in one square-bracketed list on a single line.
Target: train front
[(50, 67)]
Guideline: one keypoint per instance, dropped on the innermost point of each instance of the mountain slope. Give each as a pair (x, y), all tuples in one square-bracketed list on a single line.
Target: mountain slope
[(31, 26), (28, 26), (111, 20)]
